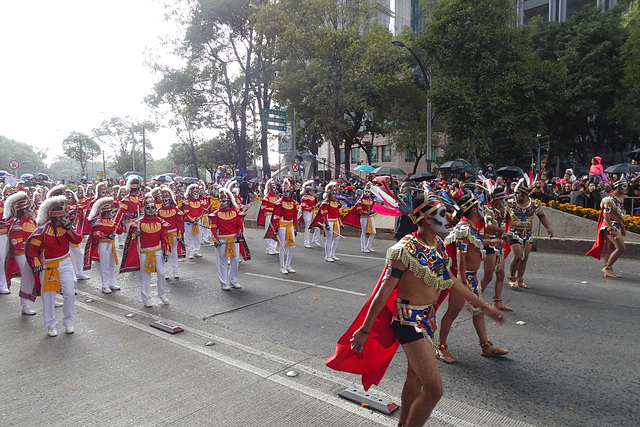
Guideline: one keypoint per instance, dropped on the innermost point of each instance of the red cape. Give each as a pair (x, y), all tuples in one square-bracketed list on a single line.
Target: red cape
[(351, 218), (90, 253), (379, 349), (601, 240), (130, 256)]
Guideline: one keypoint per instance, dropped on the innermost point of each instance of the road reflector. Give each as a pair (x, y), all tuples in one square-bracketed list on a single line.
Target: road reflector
[(369, 400), (167, 327)]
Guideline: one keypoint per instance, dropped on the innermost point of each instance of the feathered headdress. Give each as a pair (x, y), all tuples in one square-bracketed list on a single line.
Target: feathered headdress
[(190, 188), (167, 192), (618, 183), (330, 188), (156, 192), (52, 207), (102, 204), (56, 191), (229, 194), (72, 194), (132, 182), (267, 186), (14, 203), (307, 185), (431, 203)]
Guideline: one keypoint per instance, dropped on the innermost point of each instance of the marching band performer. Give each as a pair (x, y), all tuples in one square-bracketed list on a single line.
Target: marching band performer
[(154, 245), (101, 244), (266, 212), (4, 240), (19, 212), (76, 218), (284, 222), (307, 203), (226, 229), (48, 256), (130, 207), (193, 211), (329, 218), (363, 209), (170, 213)]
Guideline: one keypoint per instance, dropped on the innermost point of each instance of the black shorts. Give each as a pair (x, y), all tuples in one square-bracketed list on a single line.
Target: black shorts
[(405, 333), (489, 250)]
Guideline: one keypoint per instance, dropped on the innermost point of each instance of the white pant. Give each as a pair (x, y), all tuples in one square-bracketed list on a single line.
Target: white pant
[(271, 245), (27, 281), (227, 269), (286, 252), (65, 271), (122, 237), (307, 216), (76, 259), (331, 242), (366, 240), (4, 241), (173, 255), (205, 237), (191, 240), (145, 289), (107, 265)]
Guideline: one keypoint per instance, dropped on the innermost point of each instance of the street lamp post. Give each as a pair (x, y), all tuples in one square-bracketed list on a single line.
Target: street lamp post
[(426, 72)]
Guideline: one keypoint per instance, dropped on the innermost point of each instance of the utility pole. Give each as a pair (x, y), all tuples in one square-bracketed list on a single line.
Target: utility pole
[(104, 166), (144, 156)]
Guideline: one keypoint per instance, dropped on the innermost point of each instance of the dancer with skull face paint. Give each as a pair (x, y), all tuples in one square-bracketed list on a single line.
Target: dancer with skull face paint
[(226, 229), (47, 253), (364, 210), (101, 245), (328, 217), (19, 212), (520, 214), (611, 229), (130, 207), (175, 218), (4, 240), (193, 211), (285, 222), (465, 241), (402, 311), (495, 226), (307, 203), (154, 246), (266, 211)]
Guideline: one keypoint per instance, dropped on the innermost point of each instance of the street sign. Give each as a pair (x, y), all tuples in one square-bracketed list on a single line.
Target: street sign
[(274, 119), (274, 127), (174, 170), (295, 167), (101, 174), (13, 164), (274, 112)]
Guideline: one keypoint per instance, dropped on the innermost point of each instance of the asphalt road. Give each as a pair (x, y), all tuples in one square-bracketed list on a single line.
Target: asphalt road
[(573, 363)]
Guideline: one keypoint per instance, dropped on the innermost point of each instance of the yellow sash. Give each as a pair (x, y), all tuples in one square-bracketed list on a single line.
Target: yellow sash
[(231, 246), (171, 235), (113, 248), (369, 225), (150, 263), (52, 275), (336, 226), (288, 237), (195, 229)]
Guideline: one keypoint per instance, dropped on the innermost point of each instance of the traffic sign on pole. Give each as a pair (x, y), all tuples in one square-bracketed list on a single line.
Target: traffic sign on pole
[(274, 127), (274, 112), (13, 164), (174, 170), (295, 167)]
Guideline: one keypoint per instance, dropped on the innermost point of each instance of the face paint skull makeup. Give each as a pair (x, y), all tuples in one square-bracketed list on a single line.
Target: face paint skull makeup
[(439, 220), (481, 209), (166, 202), (150, 210)]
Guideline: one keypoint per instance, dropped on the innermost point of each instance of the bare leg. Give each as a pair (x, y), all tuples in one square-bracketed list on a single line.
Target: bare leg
[(620, 248), (489, 267), (522, 267), (488, 349), (497, 291), (422, 363), (516, 249), (456, 302), (410, 391)]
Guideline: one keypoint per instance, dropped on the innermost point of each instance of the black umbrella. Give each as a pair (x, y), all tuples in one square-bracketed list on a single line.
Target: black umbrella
[(3, 173), (510, 172), (42, 176), (162, 178), (635, 154), (455, 166), (623, 168), (422, 176)]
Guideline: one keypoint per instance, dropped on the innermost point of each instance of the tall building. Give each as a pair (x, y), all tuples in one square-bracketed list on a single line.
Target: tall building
[(556, 10)]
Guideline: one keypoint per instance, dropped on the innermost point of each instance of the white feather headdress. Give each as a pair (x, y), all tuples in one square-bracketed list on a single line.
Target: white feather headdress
[(97, 207), (43, 212), (8, 204), (230, 195), (58, 188), (307, 185)]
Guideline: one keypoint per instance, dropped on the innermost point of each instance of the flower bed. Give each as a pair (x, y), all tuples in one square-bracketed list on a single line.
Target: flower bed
[(630, 222)]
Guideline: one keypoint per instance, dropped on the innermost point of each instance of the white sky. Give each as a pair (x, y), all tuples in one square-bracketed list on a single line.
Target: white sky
[(64, 62)]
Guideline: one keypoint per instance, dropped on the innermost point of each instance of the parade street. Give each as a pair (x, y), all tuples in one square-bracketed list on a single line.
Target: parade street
[(572, 363)]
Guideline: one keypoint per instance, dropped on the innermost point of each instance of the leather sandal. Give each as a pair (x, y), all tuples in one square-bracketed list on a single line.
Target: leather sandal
[(488, 350), (522, 285), (513, 284), (443, 354), (497, 303)]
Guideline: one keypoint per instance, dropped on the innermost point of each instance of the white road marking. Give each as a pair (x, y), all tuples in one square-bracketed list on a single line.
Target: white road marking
[(280, 279)]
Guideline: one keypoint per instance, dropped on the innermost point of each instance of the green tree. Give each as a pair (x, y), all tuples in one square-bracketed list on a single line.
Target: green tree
[(488, 83), (125, 138), (29, 160), (629, 107), (332, 62), (81, 148), (588, 45)]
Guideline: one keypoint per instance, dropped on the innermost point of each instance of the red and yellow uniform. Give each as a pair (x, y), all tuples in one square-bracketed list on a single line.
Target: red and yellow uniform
[(193, 210), (154, 243), (226, 227)]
